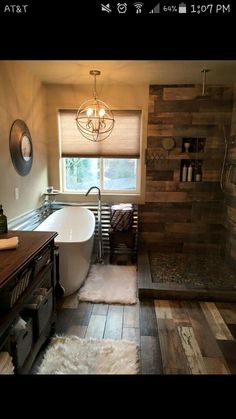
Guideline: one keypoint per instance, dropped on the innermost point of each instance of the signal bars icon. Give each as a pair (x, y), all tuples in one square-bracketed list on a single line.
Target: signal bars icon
[(156, 9)]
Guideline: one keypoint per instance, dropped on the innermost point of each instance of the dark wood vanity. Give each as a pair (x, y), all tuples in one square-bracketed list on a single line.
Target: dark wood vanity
[(27, 296)]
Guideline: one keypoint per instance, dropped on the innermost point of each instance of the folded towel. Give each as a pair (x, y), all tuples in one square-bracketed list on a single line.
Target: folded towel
[(122, 207), (11, 243), (6, 365), (4, 358), (19, 325), (41, 291)]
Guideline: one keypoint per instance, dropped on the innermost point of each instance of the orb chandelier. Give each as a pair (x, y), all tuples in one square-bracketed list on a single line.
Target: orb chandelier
[(94, 119)]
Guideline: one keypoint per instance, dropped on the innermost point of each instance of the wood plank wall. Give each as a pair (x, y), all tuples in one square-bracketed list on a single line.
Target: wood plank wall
[(230, 189), (185, 216)]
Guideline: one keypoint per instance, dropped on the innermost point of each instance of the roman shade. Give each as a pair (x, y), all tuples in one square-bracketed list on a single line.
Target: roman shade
[(124, 141)]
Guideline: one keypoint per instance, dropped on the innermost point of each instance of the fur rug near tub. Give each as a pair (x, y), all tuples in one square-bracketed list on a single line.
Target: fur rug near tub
[(73, 355), (110, 284)]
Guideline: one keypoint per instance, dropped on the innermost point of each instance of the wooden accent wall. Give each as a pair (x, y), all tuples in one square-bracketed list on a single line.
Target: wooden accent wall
[(185, 216), (230, 191)]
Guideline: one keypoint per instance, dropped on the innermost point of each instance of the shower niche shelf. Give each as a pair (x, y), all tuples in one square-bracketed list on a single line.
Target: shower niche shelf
[(193, 145), (191, 164), (191, 175)]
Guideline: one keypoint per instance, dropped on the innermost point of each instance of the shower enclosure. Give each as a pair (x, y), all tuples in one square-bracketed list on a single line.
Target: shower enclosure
[(188, 224)]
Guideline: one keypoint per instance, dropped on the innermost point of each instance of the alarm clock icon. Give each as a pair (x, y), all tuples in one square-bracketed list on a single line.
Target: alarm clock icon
[(122, 7)]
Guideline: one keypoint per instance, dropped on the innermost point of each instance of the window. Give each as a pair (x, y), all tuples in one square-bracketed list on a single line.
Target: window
[(112, 165), (110, 175), (80, 173), (119, 174)]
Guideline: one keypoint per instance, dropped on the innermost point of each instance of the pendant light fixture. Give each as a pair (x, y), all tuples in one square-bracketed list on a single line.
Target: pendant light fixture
[(94, 119)]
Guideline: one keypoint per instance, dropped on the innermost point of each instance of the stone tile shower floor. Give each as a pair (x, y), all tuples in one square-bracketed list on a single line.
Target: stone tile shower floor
[(191, 269)]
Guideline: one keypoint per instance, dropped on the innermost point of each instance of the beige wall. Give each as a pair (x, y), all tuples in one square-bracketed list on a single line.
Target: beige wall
[(22, 97), (71, 96)]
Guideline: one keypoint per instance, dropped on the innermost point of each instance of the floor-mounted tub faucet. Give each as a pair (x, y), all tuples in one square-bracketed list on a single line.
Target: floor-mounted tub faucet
[(99, 258)]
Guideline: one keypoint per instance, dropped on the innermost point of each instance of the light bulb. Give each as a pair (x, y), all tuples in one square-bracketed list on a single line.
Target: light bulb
[(101, 112), (89, 112)]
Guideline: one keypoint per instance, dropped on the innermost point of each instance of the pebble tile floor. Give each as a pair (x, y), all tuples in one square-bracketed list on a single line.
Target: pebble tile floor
[(191, 269)]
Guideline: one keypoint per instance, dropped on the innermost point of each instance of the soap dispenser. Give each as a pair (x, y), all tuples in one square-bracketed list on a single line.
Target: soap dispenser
[(3, 221)]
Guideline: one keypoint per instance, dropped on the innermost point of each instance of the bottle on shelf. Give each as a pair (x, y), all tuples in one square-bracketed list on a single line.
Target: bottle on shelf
[(198, 174), (198, 177), (3, 221), (190, 173), (184, 173)]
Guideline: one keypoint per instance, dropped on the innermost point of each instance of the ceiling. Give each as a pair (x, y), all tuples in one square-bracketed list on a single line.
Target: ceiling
[(134, 72)]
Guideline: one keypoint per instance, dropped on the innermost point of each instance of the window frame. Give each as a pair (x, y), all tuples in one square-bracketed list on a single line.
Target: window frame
[(135, 191)]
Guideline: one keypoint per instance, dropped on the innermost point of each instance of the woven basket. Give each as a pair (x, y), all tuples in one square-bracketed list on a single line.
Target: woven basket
[(121, 219)]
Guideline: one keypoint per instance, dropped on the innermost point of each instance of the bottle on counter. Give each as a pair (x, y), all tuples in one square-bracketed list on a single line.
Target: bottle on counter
[(184, 173), (190, 173), (3, 221)]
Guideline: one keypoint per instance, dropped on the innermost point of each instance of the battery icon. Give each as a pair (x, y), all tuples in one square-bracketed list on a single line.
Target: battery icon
[(182, 8)]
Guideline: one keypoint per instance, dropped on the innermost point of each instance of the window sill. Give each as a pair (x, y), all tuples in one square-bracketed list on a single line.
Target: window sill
[(109, 198), (103, 193)]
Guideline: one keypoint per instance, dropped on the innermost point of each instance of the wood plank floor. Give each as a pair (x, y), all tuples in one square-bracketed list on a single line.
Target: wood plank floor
[(174, 337)]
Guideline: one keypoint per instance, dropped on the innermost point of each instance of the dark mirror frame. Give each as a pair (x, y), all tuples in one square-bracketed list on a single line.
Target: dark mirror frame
[(18, 131)]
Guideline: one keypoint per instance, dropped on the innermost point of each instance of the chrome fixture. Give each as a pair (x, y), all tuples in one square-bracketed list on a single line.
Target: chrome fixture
[(99, 258), (224, 159), (204, 95), (204, 71), (94, 119)]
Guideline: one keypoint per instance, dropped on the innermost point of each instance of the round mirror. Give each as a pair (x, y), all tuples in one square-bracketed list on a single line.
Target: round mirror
[(21, 147)]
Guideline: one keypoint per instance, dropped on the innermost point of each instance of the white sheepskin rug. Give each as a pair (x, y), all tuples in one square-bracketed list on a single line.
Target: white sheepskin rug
[(110, 284), (73, 355)]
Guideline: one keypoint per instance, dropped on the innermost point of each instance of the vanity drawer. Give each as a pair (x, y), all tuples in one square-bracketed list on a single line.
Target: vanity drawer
[(40, 308), (42, 260)]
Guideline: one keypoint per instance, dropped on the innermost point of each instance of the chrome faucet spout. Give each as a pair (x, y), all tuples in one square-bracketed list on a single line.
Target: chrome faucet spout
[(100, 249), (98, 189)]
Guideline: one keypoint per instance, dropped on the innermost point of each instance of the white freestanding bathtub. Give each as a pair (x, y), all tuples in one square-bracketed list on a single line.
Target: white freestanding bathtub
[(75, 227)]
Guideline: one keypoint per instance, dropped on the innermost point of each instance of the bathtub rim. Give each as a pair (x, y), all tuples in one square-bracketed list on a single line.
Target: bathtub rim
[(69, 242)]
